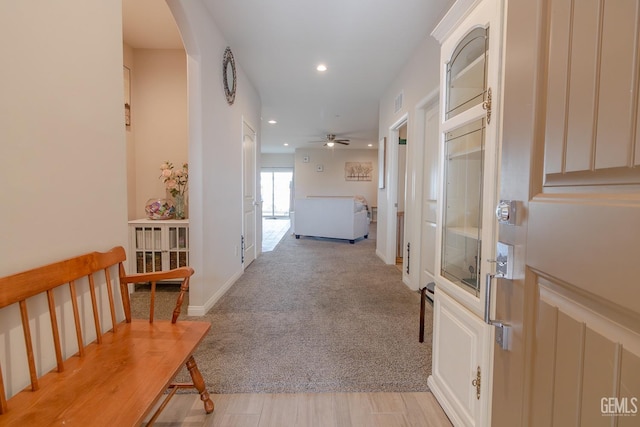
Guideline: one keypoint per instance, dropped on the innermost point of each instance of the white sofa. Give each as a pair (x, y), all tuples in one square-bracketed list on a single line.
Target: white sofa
[(333, 217)]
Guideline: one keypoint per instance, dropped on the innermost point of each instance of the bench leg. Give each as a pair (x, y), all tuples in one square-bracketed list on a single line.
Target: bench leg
[(198, 383)]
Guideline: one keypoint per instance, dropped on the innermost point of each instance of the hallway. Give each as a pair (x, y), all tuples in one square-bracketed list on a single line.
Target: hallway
[(329, 311)]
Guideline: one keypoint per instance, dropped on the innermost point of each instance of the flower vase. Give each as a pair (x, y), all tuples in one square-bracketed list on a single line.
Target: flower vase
[(180, 208)]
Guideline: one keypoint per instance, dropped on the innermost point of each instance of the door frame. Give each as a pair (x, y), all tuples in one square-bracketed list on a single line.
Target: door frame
[(257, 226), (392, 187), (420, 150)]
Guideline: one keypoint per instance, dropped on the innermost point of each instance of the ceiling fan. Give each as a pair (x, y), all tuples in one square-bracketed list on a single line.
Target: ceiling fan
[(330, 140)]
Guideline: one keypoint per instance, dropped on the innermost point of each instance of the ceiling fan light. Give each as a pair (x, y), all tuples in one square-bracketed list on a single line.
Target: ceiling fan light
[(330, 144)]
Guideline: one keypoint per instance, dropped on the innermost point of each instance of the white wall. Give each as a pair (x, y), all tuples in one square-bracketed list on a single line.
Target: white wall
[(128, 62), (331, 181), (274, 160), (215, 156), (62, 142), (418, 79), (159, 119)]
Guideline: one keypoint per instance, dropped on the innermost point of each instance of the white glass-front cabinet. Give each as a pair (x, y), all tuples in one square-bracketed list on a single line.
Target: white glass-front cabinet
[(470, 37), (157, 245)]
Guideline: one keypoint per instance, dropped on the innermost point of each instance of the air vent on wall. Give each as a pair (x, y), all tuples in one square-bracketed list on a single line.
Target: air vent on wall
[(398, 103)]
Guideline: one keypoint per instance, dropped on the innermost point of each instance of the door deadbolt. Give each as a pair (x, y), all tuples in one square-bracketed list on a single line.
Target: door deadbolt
[(506, 212)]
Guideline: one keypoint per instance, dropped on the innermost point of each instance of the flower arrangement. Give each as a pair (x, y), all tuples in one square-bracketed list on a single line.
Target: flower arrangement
[(175, 180)]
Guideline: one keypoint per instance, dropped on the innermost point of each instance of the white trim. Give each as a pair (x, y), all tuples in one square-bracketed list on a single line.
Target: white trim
[(452, 19), (398, 123), (201, 310), (392, 187), (432, 96), (418, 175), (472, 114), (257, 215)]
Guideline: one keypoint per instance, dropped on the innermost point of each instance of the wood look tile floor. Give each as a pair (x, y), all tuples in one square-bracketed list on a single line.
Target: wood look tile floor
[(273, 230), (306, 410)]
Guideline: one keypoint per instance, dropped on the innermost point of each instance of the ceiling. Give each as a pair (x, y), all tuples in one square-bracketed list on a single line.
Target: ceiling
[(279, 43)]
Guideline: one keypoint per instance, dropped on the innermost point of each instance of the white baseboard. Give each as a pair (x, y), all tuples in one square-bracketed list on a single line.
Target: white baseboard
[(383, 258), (201, 310)]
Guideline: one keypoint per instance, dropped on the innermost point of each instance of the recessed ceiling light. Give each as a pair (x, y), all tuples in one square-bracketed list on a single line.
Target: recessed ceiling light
[(369, 145), (272, 122), (321, 67), (285, 144)]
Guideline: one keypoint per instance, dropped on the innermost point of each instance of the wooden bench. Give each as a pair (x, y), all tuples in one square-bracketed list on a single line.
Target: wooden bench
[(119, 377)]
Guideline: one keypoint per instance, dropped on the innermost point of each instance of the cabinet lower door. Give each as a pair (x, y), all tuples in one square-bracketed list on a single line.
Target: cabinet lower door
[(460, 357)]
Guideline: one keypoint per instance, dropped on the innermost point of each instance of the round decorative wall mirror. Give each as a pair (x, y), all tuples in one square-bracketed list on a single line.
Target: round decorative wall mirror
[(229, 75)]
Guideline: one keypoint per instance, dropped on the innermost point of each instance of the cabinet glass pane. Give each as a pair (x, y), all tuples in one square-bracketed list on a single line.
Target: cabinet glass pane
[(178, 238), (178, 259), (139, 262), (463, 171), (152, 262), (173, 238), (183, 238), (466, 73), (148, 238)]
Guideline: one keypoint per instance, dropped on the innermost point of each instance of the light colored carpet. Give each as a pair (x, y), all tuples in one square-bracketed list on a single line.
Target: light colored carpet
[(314, 315)]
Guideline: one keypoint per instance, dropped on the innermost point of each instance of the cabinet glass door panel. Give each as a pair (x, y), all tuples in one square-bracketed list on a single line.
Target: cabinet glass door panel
[(148, 247), (466, 73), (470, 58), (178, 238), (178, 245), (462, 217)]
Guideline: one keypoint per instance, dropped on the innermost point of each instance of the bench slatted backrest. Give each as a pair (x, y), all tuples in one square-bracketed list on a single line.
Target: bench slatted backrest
[(181, 273), (19, 287)]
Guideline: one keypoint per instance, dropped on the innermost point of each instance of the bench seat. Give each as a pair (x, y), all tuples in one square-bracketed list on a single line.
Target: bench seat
[(119, 377), (139, 360)]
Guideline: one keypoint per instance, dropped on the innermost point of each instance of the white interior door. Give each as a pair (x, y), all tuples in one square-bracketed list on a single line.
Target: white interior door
[(249, 202), (429, 193)]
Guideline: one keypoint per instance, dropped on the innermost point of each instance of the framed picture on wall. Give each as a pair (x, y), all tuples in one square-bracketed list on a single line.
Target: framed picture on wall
[(382, 153), (358, 171)]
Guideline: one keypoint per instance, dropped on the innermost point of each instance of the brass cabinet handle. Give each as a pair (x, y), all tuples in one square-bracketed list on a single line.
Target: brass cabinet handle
[(476, 383), (486, 105)]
